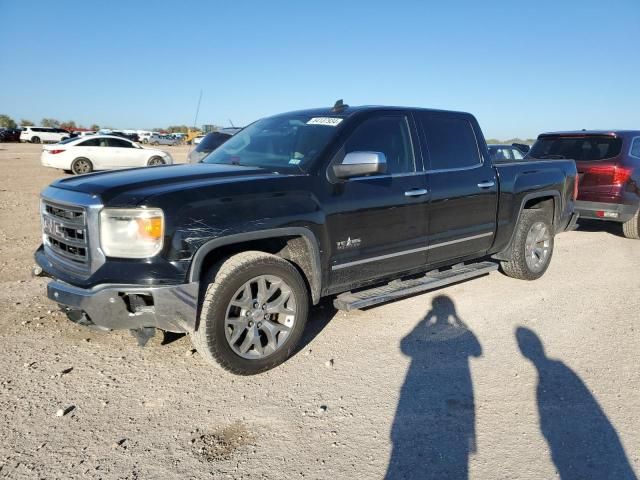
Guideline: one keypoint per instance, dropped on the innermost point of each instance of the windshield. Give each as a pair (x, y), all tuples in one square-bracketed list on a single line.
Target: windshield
[(282, 142), (589, 148)]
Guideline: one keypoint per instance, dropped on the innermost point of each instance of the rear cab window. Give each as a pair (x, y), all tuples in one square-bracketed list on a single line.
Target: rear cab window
[(579, 148), (450, 140)]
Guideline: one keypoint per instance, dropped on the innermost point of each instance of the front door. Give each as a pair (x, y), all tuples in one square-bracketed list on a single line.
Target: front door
[(464, 187), (378, 224)]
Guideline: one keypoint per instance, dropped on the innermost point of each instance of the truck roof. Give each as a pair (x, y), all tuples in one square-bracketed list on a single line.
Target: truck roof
[(349, 110)]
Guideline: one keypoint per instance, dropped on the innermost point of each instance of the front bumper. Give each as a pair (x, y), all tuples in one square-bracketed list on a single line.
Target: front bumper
[(617, 212), (109, 307)]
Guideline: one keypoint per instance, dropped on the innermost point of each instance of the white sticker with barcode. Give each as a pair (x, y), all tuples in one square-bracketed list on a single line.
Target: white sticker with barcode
[(327, 121)]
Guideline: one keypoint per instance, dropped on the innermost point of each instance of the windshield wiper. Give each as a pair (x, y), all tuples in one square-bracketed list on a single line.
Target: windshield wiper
[(551, 156)]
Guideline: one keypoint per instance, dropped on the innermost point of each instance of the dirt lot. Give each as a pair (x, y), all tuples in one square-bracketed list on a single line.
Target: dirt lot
[(418, 388)]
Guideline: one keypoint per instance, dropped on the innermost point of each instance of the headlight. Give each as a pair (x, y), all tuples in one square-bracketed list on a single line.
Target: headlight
[(131, 232)]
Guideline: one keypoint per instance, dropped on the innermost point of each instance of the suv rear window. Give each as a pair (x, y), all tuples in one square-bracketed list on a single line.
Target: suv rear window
[(212, 141), (582, 149)]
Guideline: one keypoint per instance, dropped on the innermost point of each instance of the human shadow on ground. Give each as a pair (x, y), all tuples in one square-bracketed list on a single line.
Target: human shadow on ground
[(583, 443), (433, 431)]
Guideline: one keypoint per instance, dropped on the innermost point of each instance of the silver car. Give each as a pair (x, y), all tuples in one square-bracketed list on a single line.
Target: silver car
[(163, 140)]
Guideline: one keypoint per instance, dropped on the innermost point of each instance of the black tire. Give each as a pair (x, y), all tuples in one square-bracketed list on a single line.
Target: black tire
[(222, 282), (154, 161), (35, 139), (518, 267), (155, 143), (81, 165), (631, 228)]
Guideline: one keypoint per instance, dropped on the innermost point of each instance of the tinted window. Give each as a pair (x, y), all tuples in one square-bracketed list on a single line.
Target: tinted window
[(635, 148), (577, 148), (212, 141), (116, 142), (451, 142), (68, 140), (389, 135), (94, 142), (517, 154)]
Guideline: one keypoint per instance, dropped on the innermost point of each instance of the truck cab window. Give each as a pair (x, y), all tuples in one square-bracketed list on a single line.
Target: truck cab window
[(389, 135), (451, 141)]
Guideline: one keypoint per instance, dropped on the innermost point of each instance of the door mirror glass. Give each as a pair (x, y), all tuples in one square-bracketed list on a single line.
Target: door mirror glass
[(360, 164)]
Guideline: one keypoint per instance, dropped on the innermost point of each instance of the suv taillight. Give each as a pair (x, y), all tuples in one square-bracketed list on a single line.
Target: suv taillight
[(575, 187), (617, 175)]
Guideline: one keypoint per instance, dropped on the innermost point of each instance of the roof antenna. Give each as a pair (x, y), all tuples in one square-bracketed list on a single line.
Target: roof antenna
[(339, 106)]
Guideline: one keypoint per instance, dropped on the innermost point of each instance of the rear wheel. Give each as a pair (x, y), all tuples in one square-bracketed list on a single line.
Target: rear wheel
[(631, 228), (81, 166), (35, 139), (155, 161), (532, 247), (253, 313)]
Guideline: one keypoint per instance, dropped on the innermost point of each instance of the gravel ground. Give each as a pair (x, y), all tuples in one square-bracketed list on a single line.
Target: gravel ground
[(448, 384)]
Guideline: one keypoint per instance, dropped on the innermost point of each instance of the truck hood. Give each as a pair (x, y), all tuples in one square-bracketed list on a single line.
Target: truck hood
[(135, 184)]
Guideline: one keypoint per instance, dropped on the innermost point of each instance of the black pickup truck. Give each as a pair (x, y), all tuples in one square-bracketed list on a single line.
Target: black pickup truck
[(365, 203)]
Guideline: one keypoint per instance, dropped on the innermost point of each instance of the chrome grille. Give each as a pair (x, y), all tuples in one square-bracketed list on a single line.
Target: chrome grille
[(65, 235)]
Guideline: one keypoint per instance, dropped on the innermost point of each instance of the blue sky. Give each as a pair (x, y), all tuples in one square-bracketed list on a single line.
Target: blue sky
[(522, 67)]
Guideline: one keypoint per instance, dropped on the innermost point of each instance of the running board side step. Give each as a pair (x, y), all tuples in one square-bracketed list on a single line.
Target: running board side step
[(402, 288)]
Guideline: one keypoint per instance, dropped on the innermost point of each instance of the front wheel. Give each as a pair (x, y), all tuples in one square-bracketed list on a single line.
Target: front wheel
[(253, 313), (532, 247), (35, 140), (631, 228)]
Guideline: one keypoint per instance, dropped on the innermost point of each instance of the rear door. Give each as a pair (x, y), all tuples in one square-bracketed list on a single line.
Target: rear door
[(464, 187), (124, 153), (377, 224)]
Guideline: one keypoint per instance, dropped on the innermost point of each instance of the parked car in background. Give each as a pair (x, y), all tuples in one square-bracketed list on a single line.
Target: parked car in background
[(157, 139), (128, 135), (208, 144), (500, 152), (144, 135), (85, 133), (43, 134), (367, 203), (100, 152), (10, 134), (609, 172)]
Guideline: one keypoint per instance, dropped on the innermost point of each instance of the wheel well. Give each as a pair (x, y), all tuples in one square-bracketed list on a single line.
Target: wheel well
[(293, 248), (542, 203)]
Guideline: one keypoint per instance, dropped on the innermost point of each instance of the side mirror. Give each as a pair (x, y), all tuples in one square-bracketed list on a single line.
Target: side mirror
[(360, 164)]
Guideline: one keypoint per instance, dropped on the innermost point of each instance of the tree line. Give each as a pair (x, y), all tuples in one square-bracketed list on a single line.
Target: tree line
[(7, 122)]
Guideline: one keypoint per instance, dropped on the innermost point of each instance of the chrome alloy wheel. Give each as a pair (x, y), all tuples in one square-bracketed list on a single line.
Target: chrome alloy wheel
[(260, 317), (81, 166), (537, 246)]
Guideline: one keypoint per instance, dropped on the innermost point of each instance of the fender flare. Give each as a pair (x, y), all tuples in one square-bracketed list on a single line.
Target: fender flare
[(315, 278), (506, 252)]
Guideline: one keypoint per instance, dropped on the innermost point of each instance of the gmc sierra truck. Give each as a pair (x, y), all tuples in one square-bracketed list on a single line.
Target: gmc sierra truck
[(367, 204)]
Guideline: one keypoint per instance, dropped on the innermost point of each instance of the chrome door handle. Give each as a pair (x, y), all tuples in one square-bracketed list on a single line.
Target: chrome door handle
[(486, 184), (416, 192)]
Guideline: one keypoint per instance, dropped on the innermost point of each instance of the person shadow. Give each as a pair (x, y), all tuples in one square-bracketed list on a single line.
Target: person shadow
[(433, 431), (583, 443)]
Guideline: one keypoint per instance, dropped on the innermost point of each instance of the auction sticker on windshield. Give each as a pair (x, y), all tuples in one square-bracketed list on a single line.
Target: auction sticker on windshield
[(327, 121)]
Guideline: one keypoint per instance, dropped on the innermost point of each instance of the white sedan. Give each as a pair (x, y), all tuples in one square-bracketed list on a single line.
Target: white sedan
[(100, 152)]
